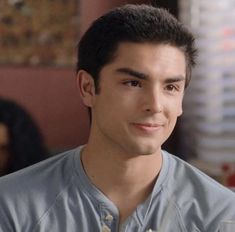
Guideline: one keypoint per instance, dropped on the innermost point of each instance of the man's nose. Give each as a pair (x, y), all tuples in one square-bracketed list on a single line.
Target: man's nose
[(153, 101)]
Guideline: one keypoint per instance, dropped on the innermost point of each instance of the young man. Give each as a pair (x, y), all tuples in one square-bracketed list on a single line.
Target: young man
[(133, 66)]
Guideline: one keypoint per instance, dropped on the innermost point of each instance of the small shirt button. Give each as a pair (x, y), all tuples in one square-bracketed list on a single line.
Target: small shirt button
[(109, 218)]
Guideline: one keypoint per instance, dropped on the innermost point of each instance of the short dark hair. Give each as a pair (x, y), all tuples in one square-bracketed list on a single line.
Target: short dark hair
[(132, 23)]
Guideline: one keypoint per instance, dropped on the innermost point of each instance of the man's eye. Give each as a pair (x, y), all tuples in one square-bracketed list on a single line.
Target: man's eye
[(133, 83), (171, 88)]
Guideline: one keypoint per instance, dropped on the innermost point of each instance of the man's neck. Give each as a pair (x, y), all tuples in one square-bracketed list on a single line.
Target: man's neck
[(126, 182)]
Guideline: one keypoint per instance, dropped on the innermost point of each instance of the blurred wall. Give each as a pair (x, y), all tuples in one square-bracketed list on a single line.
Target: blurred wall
[(50, 95)]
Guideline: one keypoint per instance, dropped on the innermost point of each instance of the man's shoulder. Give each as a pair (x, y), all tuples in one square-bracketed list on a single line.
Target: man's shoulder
[(192, 186), (188, 182), (198, 199), (56, 170), (27, 194)]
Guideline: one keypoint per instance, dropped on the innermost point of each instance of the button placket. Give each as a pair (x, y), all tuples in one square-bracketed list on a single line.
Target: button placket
[(107, 220), (105, 229)]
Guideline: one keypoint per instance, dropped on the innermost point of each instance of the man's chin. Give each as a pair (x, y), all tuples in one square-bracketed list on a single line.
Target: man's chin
[(148, 150)]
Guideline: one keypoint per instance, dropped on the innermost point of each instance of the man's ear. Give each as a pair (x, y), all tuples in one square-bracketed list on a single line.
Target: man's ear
[(180, 111), (180, 108), (86, 87)]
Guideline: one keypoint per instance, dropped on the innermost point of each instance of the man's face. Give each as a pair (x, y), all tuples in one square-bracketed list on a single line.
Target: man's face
[(140, 97)]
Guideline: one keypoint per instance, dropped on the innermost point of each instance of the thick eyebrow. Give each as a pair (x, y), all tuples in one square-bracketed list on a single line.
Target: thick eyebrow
[(133, 73), (175, 79), (144, 76)]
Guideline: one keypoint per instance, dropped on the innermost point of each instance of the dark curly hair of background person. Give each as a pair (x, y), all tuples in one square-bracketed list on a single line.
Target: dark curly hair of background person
[(26, 145)]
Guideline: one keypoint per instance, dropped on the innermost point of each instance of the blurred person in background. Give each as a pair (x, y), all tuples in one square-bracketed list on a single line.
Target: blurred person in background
[(21, 143)]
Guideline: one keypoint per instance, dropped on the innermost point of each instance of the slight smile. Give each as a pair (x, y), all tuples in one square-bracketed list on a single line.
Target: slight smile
[(148, 127)]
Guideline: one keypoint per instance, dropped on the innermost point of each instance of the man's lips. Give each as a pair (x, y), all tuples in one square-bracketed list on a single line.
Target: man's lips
[(148, 127)]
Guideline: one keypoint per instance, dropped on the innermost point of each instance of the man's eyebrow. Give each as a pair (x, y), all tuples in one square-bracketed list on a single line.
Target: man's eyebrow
[(175, 79), (144, 76), (133, 73)]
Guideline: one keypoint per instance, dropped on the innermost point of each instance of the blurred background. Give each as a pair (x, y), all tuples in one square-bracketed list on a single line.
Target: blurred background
[(37, 70)]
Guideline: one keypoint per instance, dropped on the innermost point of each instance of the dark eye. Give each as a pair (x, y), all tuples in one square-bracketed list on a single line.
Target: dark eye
[(171, 88), (133, 83)]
